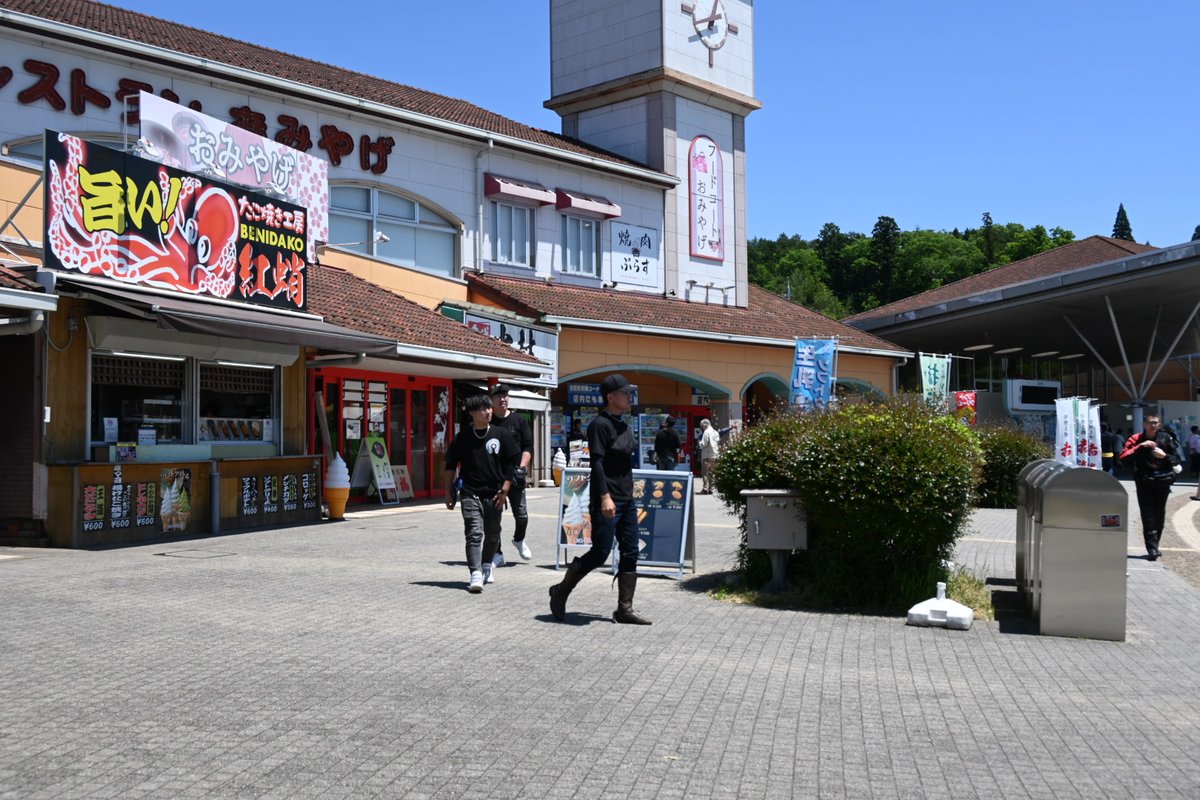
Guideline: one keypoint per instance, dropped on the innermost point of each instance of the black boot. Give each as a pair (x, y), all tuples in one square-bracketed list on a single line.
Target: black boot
[(626, 586), (1151, 540), (560, 591)]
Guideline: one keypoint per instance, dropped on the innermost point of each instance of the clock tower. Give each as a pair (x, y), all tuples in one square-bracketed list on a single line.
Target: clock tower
[(668, 84)]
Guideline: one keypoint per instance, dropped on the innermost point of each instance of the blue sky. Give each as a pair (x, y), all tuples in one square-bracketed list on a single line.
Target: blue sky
[(1043, 112)]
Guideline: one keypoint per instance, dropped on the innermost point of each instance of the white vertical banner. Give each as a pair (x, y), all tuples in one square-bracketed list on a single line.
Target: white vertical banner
[(1083, 439), (935, 379), (1094, 455), (1064, 431)]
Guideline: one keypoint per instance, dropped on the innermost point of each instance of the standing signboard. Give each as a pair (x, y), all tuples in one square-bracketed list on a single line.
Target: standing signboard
[(665, 521), (373, 468)]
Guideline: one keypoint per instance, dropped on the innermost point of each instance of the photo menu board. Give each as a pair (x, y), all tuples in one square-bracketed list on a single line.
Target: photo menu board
[(666, 527)]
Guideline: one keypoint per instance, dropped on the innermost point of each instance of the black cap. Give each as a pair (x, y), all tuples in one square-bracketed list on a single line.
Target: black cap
[(614, 383), (499, 389)]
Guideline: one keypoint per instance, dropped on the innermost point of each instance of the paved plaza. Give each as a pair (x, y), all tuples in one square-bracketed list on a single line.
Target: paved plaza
[(347, 660)]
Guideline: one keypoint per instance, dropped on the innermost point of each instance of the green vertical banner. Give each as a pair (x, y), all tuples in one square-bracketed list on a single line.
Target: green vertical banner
[(935, 380)]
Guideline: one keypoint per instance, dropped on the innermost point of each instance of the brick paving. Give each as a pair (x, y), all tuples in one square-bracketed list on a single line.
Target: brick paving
[(347, 660)]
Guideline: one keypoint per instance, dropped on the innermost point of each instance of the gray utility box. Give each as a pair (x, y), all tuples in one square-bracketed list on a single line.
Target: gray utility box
[(775, 522), (1029, 483), (1077, 551)]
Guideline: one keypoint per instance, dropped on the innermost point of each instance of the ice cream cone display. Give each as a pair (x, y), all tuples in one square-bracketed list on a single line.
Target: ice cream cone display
[(337, 487)]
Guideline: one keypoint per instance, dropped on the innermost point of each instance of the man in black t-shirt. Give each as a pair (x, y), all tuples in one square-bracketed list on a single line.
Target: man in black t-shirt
[(518, 427), (666, 445), (485, 458), (614, 514)]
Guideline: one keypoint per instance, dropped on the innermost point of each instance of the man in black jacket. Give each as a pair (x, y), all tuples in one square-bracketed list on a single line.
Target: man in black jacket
[(1154, 455), (666, 445)]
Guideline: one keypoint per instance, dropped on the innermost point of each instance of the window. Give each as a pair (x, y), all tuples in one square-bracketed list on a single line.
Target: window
[(137, 394), (581, 245), (134, 394), (32, 148), (511, 226), (416, 236)]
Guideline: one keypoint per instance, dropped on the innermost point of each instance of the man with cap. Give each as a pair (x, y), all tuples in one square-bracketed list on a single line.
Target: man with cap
[(517, 427), (611, 445)]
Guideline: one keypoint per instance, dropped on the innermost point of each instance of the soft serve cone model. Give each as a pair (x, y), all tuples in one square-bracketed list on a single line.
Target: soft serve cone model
[(337, 487)]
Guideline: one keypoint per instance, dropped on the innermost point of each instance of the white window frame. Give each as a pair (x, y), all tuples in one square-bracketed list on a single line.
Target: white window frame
[(574, 255), (425, 218), (505, 248)]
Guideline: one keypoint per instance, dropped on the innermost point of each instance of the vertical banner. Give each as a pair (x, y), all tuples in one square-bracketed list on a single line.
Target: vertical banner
[(1082, 440), (706, 200), (1064, 430), (965, 408), (1094, 455), (814, 371), (935, 379)]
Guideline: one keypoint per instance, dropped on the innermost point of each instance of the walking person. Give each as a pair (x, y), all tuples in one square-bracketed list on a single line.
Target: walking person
[(666, 445), (517, 427), (614, 514), (1154, 457), (485, 457), (710, 447), (1194, 458)]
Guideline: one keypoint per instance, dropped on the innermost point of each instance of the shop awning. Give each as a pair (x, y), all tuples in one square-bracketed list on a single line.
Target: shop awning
[(209, 318), (589, 205), (512, 189)]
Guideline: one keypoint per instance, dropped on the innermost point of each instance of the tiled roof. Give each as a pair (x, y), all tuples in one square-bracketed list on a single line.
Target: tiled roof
[(11, 279), (768, 315), (145, 29), (349, 301), (1084, 253)]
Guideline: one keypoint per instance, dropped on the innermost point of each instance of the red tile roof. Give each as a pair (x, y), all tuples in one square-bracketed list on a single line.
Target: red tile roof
[(135, 27), (11, 279), (1068, 257), (768, 315), (344, 299)]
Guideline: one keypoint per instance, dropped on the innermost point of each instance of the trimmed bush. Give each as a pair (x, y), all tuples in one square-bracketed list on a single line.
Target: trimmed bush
[(1006, 451), (887, 488)]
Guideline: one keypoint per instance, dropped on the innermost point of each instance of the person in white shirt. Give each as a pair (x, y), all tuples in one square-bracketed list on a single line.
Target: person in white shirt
[(710, 447)]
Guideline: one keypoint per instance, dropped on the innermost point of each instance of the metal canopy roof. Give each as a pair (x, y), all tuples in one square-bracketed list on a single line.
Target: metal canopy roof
[(1153, 297)]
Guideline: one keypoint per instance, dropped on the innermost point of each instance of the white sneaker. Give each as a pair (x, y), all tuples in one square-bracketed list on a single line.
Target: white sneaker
[(523, 549), (489, 573), (498, 560), (476, 584)]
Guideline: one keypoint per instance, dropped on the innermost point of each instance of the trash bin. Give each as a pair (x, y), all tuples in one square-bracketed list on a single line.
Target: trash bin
[(775, 522), (1078, 558), (1029, 484)]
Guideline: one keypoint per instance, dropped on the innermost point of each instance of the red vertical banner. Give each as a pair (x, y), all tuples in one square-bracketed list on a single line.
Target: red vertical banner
[(964, 407)]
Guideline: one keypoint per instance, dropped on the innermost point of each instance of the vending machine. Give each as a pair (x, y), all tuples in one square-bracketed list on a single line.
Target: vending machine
[(1031, 404)]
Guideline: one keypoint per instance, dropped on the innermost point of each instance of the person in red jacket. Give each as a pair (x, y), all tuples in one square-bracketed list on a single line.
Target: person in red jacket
[(1154, 456)]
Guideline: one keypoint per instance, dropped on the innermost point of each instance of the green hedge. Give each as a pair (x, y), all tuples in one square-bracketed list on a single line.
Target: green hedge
[(1006, 451), (888, 488)]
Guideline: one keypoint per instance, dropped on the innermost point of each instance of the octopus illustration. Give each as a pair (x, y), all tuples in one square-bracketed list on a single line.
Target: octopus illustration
[(193, 250)]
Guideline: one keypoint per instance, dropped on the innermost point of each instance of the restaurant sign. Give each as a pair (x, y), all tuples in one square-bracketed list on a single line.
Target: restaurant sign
[(115, 215)]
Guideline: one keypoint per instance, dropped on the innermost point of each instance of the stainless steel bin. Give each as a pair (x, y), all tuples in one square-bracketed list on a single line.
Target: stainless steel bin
[(1079, 555), (775, 522)]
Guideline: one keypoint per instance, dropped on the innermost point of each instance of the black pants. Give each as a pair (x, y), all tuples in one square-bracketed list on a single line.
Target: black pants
[(622, 528), (1152, 503), (665, 463)]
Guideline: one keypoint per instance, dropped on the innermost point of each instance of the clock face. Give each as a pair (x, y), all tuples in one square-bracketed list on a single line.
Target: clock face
[(711, 21)]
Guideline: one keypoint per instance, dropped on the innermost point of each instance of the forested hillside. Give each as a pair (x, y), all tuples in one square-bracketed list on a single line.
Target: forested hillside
[(841, 273)]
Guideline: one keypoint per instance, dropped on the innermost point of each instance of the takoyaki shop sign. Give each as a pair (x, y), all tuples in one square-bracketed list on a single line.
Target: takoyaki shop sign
[(115, 215)]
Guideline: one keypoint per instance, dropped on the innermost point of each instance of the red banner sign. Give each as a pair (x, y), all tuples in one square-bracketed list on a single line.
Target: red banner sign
[(113, 214)]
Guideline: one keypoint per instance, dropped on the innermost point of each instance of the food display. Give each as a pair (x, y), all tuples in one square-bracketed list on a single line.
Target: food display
[(223, 429)]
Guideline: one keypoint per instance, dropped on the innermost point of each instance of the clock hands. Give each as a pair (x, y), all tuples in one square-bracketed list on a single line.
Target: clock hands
[(712, 17)]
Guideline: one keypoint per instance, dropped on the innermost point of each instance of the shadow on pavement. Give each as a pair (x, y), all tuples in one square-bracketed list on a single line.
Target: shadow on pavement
[(1009, 606), (458, 585), (574, 619)]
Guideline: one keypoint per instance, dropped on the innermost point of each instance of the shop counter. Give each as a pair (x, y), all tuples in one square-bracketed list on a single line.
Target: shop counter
[(102, 504)]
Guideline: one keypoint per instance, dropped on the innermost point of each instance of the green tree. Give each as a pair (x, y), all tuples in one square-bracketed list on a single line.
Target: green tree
[(988, 234), (1121, 227), (885, 252), (1196, 233), (929, 259)]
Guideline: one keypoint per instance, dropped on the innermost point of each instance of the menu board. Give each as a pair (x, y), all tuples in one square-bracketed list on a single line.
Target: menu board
[(664, 518)]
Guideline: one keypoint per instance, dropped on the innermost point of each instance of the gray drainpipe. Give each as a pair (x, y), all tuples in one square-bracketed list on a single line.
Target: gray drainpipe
[(32, 324)]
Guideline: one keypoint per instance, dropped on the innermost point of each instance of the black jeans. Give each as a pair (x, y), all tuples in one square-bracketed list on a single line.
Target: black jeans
[(520, 510), (665, 463), (1152, 503), (623, 528)]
